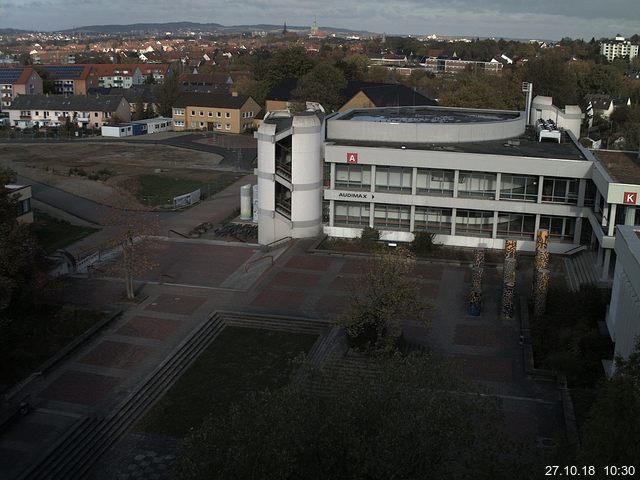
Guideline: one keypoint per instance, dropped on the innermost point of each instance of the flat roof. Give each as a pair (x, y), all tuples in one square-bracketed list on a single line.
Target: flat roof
[(623, 167), (523, 146), (427, 114)]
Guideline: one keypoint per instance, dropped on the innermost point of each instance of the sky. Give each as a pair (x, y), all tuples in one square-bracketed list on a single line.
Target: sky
[(525, 19)]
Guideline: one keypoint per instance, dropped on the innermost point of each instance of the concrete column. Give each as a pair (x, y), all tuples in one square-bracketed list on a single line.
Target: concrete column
[(596, 205), (498, 185), (494, 231), (537, 225), (605, 264), (605, 214), (582, 189), (373, 179), (412, 217), (540, 185), (630, 215), (456, 178), (454, 214), (371, 212), (332, 182), (331, 210), (613, 208), (414, 186), (578, 231)]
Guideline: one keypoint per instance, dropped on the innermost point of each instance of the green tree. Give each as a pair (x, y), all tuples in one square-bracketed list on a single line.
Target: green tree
[(477, 90), (551, 76), (383, 295), (610, 434), (285, 63), (20, 254), (166, 94), (354, 67), (322, 84), (139, 112), (402, 418)]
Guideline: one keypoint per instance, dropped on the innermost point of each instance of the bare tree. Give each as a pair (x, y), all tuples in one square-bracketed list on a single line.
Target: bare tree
[(382, 296), (130, 242)]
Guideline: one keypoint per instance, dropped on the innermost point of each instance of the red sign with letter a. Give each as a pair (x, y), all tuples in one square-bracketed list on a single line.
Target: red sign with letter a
[(352, 158), (630, 198)]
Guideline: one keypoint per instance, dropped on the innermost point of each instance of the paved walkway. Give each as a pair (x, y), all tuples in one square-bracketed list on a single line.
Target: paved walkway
[(298, 283)]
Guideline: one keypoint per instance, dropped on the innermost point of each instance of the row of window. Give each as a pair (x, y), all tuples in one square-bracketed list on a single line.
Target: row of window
[(470, 184), (474, 223)]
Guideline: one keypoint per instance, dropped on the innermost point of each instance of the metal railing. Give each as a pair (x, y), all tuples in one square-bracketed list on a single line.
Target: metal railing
[(253, 262)]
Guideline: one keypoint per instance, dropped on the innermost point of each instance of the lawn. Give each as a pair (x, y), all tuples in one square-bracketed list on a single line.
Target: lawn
[(238, 361), (159, 189), (33, 337), (53, 233)]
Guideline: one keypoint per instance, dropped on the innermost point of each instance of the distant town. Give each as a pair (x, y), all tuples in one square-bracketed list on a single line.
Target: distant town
[(284, 251)]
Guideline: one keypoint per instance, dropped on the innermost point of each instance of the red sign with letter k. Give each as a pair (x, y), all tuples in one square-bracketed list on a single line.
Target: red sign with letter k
[(630, 198)]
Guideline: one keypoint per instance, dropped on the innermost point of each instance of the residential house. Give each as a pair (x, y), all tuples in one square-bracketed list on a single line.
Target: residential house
[(618, 48), (356, 95), (71, 79), (22, 193), (86, 111), (230, 113), (18, 81), (444, 64), (119, 75), (157, 71)]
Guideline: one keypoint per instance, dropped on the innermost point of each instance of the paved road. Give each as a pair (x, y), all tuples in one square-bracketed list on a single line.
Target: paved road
[(80, 207)]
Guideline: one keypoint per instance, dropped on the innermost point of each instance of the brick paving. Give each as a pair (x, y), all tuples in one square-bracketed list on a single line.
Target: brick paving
[(80, 387), (302, 284), (149, 327), (116, 355), (177, 304)]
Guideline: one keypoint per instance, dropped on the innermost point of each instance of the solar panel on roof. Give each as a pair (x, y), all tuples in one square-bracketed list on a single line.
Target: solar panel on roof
[(10, 75), (67, 71)]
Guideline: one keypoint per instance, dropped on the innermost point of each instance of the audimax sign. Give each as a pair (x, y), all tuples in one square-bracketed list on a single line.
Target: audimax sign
[(360, 195)]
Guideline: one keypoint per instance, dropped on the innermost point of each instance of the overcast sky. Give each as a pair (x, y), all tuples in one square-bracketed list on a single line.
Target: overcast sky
[(548, 19)]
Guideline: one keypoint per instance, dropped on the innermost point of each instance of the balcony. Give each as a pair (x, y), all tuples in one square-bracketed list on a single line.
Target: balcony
[(284, 170), (283, 207)]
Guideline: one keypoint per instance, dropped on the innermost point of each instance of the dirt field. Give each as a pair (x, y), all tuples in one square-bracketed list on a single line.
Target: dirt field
[(70, 167)]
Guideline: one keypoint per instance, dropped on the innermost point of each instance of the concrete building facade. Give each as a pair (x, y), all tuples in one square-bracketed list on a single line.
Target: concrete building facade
[(475, 178)]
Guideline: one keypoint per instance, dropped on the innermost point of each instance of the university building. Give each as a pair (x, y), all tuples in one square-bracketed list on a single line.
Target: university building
[(473, 177)]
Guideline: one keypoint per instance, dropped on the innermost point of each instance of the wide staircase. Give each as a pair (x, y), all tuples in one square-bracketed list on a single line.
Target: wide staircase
[(581, 270)]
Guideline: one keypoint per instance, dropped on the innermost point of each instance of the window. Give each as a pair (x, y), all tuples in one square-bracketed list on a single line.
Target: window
[(210, 114), (178, 111), (227, 115), (435, 182), (516, 225), (201, 124), (95, 114), (24, 206), (353, 177), (193, 124), (218, 115), (560, 190), (351, 213), (474, 223), (433, 220), (519, 187), (201, 113), (395, 217), (477, 184), (179, 123), (561, 229), (227, 126), (393, 179), (193, 113)]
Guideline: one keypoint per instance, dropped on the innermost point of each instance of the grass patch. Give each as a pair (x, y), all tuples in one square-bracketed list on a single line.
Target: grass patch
[(27, 339), (160, 189), (238, 361), (53, 233)]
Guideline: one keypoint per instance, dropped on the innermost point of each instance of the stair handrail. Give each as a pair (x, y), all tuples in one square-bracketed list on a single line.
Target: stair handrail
[(171, 230), (577, 249), (269, 246), (246, 266)]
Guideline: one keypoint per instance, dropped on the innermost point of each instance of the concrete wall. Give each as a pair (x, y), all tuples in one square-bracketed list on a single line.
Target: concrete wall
[(623, 319)]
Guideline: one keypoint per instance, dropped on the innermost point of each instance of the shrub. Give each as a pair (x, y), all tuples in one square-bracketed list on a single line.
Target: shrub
[(369, 238), (423, 243)]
